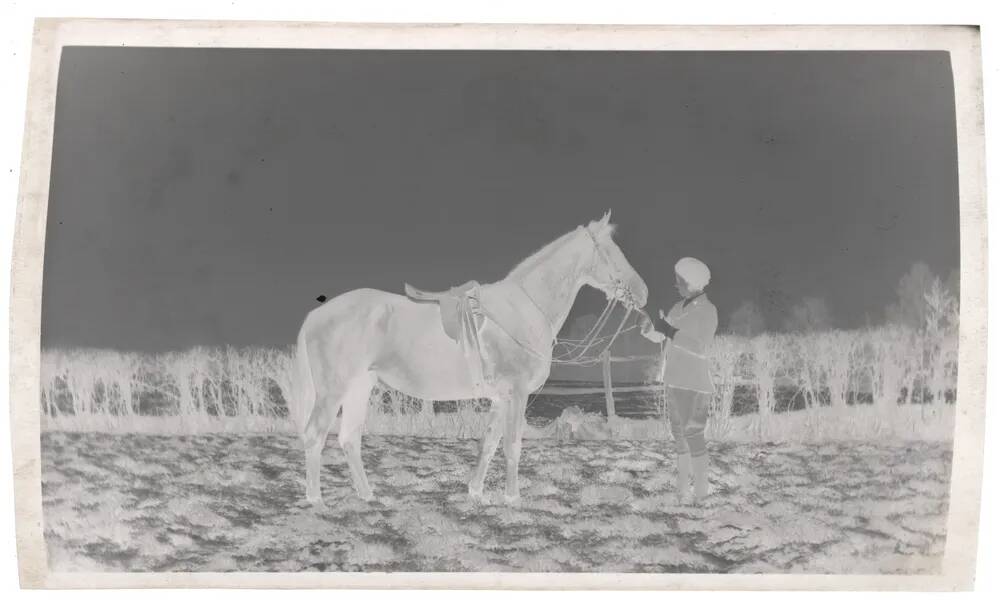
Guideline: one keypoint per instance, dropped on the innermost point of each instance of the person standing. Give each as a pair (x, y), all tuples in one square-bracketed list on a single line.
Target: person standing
[(687, 331)]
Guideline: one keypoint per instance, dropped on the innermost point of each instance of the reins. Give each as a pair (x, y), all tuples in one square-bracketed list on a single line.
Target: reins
[(579, 356)]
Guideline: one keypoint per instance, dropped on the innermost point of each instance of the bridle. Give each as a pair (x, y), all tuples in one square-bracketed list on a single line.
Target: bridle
[(575, 352), (620, 291)]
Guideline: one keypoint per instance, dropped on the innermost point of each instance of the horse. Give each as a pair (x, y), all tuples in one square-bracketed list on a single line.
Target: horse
[(366, 336)]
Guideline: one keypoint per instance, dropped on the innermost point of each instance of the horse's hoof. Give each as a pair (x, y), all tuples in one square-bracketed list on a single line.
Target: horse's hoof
[(704, 510), (316, 503), (700, 501)]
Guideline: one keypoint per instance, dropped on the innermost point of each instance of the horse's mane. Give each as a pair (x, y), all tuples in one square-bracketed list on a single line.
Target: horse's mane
[(549, 248)]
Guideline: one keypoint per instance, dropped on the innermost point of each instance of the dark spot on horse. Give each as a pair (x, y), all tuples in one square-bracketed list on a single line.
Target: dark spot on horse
[(321, 298)]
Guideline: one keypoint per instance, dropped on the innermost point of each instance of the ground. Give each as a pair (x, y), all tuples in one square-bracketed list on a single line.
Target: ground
[(236, 503)]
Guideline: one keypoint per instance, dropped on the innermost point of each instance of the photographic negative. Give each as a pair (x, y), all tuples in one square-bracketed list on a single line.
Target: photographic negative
[(334, 305)]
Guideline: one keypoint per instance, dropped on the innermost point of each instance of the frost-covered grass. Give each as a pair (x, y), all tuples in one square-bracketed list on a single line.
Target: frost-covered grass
[(236, 503), (861, 423), (904, 423), (853, 480)]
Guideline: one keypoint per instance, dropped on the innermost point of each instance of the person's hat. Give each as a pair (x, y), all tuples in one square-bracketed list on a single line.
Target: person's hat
[(694, 272)]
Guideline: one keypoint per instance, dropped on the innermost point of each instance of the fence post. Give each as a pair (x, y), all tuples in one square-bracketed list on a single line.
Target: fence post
[(609, 397)]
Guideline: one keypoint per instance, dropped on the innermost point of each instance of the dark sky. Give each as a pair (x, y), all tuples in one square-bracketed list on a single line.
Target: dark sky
[(208, 196)]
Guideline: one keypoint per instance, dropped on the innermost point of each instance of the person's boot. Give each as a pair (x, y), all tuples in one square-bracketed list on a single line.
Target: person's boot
[(700, 466), (683, 478)]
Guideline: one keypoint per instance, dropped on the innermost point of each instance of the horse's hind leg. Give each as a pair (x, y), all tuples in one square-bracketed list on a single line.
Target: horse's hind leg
[(351, 423), (314, 439)]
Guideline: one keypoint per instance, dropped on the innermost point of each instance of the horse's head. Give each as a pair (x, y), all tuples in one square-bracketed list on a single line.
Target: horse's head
[(609, 270)]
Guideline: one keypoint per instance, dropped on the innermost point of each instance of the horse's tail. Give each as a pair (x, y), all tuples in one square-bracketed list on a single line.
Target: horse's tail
[(306, 389)]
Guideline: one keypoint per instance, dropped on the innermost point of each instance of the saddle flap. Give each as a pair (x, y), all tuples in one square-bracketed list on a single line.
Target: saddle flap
[(460, 324)]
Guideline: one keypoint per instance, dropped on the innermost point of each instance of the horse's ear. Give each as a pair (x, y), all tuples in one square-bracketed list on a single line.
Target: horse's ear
[(607, 218)]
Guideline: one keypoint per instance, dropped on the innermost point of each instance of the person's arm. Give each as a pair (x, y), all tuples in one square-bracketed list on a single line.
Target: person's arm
[(649, 325)]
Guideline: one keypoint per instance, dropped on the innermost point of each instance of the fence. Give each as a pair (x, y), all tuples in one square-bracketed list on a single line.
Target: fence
[(776, 372), (606, 360)]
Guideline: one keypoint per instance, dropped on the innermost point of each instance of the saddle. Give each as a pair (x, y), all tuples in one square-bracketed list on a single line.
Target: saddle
[(459, 308), (461, 318)]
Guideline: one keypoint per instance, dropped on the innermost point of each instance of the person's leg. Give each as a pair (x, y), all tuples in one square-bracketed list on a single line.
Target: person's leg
[(683, 477), (694, 434), (679, 405)]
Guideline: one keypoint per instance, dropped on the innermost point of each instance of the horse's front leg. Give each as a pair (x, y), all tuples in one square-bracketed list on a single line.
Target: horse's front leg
[(513, 432), (491, 439)]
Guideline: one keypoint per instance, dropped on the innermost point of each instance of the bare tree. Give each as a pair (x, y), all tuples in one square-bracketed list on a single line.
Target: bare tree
[(812, 314), (747, 320), (952, 284), (910, 308)]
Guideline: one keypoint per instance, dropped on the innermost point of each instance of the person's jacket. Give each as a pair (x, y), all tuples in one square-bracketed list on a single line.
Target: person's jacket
[(693, 323)]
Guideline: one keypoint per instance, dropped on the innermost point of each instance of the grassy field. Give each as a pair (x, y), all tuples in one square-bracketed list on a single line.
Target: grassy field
[(830, 453), (236, 503)]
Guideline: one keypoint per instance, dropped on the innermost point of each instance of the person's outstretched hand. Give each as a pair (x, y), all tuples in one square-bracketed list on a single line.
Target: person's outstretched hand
[(647, 330), (655, 336)]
